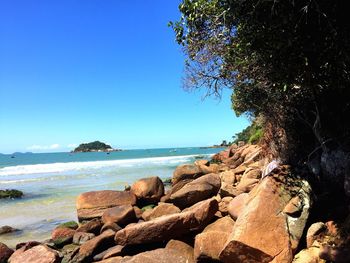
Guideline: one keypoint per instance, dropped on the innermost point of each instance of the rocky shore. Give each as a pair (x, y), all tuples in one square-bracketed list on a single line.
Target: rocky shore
[(238, 207)]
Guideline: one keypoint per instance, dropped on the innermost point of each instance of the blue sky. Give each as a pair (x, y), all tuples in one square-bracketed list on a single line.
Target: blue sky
[(83, 70)]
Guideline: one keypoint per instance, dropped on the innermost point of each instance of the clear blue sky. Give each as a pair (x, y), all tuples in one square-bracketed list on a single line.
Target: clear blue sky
[(74, 71)]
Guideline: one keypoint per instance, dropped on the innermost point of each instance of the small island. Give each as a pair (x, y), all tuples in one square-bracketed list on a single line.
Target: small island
[(95, 146)]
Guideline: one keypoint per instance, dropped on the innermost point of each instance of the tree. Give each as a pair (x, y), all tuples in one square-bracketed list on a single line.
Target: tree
[(287, 61)]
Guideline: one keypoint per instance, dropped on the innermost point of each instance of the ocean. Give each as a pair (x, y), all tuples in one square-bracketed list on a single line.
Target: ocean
[(52, 181)]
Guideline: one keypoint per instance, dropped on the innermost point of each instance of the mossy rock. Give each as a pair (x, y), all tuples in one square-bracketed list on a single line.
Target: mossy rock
[(10, 193), (70, 224)]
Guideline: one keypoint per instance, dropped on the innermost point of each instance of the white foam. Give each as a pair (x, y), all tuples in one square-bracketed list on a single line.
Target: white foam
[(78, 166)]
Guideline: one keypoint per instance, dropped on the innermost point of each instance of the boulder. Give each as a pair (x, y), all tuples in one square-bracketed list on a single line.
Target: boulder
[(36, 254), (186, 171), (245, 186), (262, 232), (7, 229), (212, 168), (94, 246), (211, 241), (5, 253), (170, 226), (199, 189), (121, 215), (227, 189), (109, 253), (160, 210), (113, 226), (92, 204), (68, 252), (201, 162), (175, 251), (80, 238), (10, 193), (235, 207), (251, 173), (93, 226), (62, 236), (314, 230), (228, 177), (148, 190), (221, 156), (223, 204)]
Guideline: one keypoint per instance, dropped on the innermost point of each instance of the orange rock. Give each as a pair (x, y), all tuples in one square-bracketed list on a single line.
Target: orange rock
[(148, 190), (121, 215), (93, 204), (37, 254), (262, 232), (170, 226), (237, 204)]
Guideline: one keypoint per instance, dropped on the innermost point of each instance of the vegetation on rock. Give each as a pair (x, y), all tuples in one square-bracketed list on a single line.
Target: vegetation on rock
[(287, 62), (93, 147)]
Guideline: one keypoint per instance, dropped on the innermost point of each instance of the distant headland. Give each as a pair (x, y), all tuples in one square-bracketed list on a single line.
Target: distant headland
[(95, 146)]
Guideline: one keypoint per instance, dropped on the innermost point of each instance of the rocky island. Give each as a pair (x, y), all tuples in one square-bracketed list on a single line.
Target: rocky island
[(95, 146)]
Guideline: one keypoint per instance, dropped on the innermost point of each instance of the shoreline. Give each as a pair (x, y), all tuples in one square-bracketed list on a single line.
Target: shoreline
[(222, 201)]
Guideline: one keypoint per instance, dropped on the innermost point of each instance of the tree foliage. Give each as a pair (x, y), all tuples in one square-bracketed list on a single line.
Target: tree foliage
[(92, 146), (287, 61)]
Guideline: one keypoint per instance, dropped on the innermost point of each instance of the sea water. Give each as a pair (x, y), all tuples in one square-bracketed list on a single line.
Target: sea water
[(52, 181)]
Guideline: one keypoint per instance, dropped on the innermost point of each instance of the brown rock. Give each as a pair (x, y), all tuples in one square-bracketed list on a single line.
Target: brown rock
[(221, 156), (148, 190), (212, 168), (121, 215), (294, 207), (175, 251), (199, 189), (80, 238), (112, 226), (109, 253), (94, 246), (245, 186), (262, 231), (201, 162), (186, 171), (170, 226), (138, 212), (36, 254), (211, 241), (160, 210), (113, 260), (176, 187), (93, 204), (27, 245), (7, 229), (93, 226), (5, 253), (235, 207), (228, 190), (251, 173), (314, 230), (223, 204), (228, 177), (62, 235)]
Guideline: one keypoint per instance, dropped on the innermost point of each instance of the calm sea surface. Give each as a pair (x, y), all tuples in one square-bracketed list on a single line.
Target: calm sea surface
[(51, 182)]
